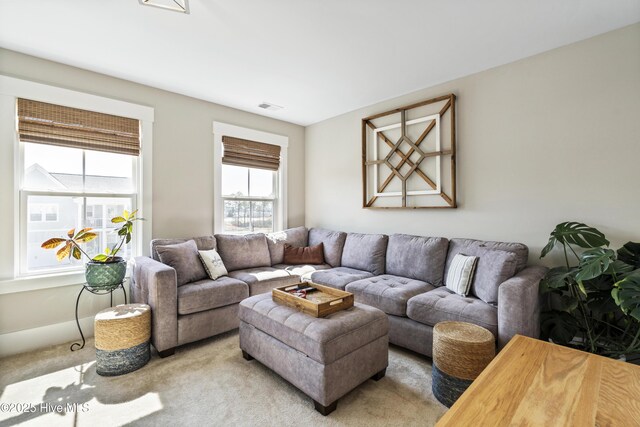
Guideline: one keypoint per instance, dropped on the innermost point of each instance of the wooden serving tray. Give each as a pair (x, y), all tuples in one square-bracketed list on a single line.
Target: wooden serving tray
[(320, 303)]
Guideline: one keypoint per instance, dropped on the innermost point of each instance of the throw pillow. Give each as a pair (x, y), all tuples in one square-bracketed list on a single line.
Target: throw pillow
[(307, 255), (184, 258), (461, 273), (212, 263)]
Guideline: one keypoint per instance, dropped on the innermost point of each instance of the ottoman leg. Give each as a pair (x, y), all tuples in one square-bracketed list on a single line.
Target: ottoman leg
[(325, 410), (246, 355), (380, 375), (168, 352)]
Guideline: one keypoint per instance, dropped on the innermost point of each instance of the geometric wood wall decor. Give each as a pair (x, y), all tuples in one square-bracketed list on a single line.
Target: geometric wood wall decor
[(409, 156)]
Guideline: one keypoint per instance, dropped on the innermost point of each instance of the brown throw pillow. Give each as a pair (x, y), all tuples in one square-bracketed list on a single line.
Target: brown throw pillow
[(184, 258), (307, 255)]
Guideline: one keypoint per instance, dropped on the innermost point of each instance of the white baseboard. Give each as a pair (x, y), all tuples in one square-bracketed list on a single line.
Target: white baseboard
[(45, 336)]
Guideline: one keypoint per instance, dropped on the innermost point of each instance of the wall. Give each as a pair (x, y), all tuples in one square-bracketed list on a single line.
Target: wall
[(182, 187), (550, 138)]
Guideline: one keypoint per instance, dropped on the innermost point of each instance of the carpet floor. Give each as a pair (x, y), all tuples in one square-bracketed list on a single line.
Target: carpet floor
[(205, 383)]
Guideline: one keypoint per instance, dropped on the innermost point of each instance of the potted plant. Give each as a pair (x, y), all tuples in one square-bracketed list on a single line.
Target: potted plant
[(104, 271), (592, 302)]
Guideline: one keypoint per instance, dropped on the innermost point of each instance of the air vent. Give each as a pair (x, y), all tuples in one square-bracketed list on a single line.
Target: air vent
[(270, 107), (175, 5)]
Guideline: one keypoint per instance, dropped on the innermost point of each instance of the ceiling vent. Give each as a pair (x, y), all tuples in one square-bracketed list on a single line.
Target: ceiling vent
[(270, 107), (175, 5)]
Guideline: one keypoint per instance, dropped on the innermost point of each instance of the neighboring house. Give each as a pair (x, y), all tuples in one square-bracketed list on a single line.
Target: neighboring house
[(51, 216)]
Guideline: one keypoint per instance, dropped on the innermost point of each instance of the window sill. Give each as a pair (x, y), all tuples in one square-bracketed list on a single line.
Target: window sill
[(45, 281)]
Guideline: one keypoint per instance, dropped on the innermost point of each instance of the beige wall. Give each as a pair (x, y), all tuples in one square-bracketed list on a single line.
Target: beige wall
[(182, 173), (550, 138)]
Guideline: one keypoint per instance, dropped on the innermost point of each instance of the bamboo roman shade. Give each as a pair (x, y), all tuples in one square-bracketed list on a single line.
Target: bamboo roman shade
[(52, 124), (252, 154)]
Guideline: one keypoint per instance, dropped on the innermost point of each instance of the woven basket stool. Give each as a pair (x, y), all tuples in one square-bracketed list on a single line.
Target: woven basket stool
[(460, 352), (122, 336)]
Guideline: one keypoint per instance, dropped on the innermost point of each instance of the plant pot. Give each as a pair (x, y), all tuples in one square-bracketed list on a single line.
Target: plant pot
[(105, 275)]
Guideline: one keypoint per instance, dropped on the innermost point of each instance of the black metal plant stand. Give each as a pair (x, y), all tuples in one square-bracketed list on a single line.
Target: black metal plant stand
[(76, 345)]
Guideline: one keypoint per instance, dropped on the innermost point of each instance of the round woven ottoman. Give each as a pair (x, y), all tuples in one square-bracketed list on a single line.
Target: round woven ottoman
[(460, 352), (122, 336)]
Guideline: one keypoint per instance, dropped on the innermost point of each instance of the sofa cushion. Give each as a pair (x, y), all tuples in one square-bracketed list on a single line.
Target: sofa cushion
[(333, 242), (204, 243), (388, 293), (365, 252), (466, 246), (303, 270), (239, 252), (324, 340), (442, 304), (297, 236), (303, 255), (184, 258), (338, 277), (213, 264), (263, 279), (416, 257), (492, 269), (208, 294)]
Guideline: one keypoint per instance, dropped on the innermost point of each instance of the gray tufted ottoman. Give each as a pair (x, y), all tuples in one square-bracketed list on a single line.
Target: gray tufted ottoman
[(324, 357)]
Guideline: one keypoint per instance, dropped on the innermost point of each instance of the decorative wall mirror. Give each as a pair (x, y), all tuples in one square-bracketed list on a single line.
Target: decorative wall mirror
[(409, 156)]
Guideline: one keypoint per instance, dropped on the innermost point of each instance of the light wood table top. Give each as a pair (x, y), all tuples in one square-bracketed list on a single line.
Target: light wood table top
[(536, 383)]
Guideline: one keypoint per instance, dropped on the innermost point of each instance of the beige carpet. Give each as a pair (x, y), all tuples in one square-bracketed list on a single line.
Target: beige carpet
[(206, 383)]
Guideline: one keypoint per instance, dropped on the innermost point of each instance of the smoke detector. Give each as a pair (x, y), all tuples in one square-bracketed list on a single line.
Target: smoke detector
[(175, 5), (269, 106)]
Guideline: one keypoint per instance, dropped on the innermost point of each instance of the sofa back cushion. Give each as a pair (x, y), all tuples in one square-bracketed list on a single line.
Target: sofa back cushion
[(333, 242), (204, 243), (240, 252), (184, 258), (365, 252), (297, 237), (417, 257), (497, 262)]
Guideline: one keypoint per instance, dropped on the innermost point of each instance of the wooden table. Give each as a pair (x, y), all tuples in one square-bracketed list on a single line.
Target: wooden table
[(536, 383)]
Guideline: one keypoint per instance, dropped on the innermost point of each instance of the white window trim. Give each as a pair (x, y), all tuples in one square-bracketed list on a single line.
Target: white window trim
[(222, 129), (12, 88)]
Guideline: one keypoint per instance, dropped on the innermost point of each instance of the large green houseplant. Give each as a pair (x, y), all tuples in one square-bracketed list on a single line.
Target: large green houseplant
[(104, 271), (593, 301)]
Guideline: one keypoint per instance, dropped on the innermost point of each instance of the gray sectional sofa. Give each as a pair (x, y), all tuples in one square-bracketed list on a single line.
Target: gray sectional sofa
[(402, 275)]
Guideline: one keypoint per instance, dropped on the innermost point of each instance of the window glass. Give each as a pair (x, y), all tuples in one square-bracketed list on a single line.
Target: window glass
[(262, 216), (235, 181), (108, 172), (68, 216), (261, 183), (47, 167), (237, 216)]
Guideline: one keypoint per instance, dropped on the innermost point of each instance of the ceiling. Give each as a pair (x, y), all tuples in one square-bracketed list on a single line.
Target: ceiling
[(318, 59)]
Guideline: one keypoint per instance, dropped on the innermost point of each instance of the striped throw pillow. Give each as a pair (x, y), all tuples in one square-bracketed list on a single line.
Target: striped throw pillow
[(460, 274)]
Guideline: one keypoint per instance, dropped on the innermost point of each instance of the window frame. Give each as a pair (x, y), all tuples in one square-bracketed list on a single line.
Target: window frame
[(280, 185), (11, 279)]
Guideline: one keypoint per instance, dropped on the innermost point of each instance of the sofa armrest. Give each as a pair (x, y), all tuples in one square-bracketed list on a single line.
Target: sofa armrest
[(155, 283), (519, 305)]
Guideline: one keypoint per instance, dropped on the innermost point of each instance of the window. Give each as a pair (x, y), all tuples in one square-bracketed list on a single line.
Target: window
[(249, 197), (250, 180), (67, 184)]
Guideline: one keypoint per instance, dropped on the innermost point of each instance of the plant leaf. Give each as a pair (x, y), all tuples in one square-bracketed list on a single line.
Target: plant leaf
[(627, 294), (53, 243), (71, 232), (125, 214), (100, 258), (594, 263), (117, 219), (128, 239), (64, 252), (556, 278), (76, 253), (86, 237), (575, 233), (560, 326), (107, 250), (630, 254)]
